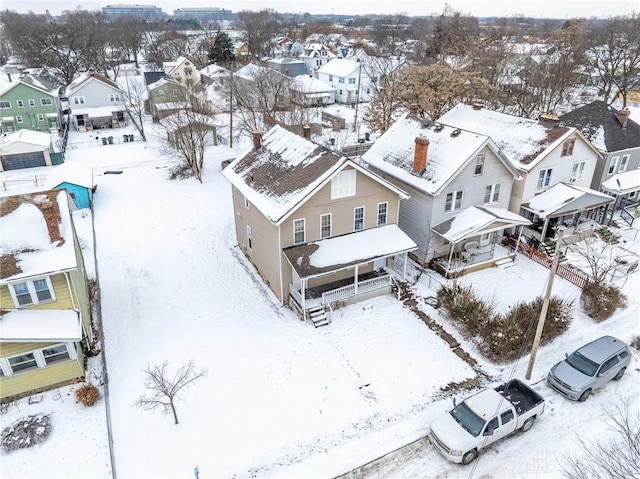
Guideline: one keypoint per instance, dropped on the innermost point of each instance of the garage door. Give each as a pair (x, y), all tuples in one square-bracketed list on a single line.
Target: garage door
[(23, 160)]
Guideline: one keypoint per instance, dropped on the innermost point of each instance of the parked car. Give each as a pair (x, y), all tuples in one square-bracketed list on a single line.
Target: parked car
[(484, 418), (590, 367)]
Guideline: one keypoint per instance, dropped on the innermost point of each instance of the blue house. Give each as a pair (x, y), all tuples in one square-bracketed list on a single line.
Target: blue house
[(76, 179)]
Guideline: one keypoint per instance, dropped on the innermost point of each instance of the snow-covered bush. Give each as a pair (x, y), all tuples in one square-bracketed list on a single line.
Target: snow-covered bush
[(466, 307), (26, 432), (601, 300), (88, 394)]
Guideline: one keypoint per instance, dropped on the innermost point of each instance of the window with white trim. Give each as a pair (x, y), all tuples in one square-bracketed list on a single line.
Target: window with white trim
[(46, 101), (31, 292), (32, 103), (36, 359), (249, 238), (298, 231), (78, 100), (340, 80), (544, 177), (479, 165), (612, 165), (343, 184), (453, 201), (19, 119), (5, 104), (352, 81), (114, 96), (567, 147), (40, 117), (325, 226), (623, 163), (358, 218), (576, 170), (382, 213), (20, 104), (492, 193), (330, 77)]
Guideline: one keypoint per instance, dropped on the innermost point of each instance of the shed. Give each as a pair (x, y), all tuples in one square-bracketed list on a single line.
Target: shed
[(76, 179)]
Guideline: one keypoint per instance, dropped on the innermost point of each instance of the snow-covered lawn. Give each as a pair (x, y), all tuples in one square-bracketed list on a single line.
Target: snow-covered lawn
[(281, 398)]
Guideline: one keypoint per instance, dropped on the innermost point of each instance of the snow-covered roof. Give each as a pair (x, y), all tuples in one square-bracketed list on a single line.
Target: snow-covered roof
[(214, 70), (522, 140), (183, 118), (86, 77), (38, 83), (309, 84), (339, 67), (319, 257), (31, 137), (448, 151), (285, 171), (623, 183), (25, 236), (70, 172), (563, 199), (50, 325), (98, 111), (477, 220)]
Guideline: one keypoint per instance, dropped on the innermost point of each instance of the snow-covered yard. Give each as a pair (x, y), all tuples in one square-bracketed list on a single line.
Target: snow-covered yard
[(281, 399)]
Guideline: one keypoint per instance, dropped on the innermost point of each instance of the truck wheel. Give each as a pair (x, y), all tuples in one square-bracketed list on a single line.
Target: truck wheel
[(469, 457), (619, 375), (528, 424), (585, 395)]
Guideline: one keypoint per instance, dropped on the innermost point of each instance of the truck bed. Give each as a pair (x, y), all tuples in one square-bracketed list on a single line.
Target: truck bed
[(520, 395)]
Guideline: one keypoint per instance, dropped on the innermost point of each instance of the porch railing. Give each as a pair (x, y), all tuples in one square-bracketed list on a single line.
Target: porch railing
[(350, 290)]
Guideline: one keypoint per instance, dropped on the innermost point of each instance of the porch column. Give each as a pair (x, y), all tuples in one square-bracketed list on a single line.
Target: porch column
[(355, 280), (544, 229), (450, 257), (404, 267), (518, 241), (303, 287)]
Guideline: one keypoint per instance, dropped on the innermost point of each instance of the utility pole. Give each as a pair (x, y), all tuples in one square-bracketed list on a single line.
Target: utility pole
[(545, 307), (231, 108), (355, 119)]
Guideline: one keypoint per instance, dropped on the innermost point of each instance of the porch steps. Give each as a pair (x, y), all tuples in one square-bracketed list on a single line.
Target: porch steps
[(550, 249), (318, 316), (504, 263)]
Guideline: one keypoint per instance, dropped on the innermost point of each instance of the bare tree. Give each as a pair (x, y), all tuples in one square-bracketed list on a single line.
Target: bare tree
[(388, 32), (135, 93), (164, 388), (616, 456), (386, 101), (260, 29)]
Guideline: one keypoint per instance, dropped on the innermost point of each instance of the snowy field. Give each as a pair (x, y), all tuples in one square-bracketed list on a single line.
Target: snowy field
[(280, 399)]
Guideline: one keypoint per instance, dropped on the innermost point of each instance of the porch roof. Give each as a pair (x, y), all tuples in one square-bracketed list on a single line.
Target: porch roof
[(477, 220), (341, 252), (563, 199), (98, 111), (623, 183), (27, 325)]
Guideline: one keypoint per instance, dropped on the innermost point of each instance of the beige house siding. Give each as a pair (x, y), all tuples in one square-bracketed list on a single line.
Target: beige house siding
[(38, 379)]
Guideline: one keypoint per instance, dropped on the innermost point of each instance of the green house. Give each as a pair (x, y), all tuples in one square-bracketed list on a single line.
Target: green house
[(30, 103), (45, 320)]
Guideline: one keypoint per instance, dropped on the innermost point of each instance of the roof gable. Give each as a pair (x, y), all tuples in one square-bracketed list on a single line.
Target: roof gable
[(39, 84), (339, 67), (87, 78)]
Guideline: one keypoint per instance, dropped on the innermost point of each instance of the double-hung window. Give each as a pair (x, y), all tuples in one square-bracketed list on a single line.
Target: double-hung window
[(382, 213), (453, 201), (5, 104), (46, 101), (114, 97), (623, 163), (325, 226), (78, 100), (249, 238), (567, 147), (343, 184), (40, 117), (31, 292), (298, 231), (544, 178), (55, 353), (612, 165), (20, 103), (492, 193), (358, 218), (479, 165), (352, 81), (32, 103), (576, 170), (37, 358), (23, 362)]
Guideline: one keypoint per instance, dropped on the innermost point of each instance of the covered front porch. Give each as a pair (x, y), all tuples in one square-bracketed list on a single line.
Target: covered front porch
[(474, 236), (625, 188), (335, 272)]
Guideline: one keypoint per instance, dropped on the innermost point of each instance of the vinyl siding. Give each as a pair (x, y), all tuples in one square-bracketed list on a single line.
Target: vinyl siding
[(41, 379), (61, 292)]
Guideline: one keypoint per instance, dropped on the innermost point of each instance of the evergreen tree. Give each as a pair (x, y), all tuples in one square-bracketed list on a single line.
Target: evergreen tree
[(221, 52)]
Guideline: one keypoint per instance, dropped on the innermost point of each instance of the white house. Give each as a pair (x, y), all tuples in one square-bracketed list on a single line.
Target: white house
[(183, 71), (348, 78), (95, 102)]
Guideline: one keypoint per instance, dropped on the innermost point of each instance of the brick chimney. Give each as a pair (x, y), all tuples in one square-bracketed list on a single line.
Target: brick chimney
[(257, 140), (623, 115), (51, 215), (413, 108), (420, 154), (306, 132)]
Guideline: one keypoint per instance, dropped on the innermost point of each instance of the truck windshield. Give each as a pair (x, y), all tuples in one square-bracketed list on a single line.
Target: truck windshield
[(467, 419), (582, 364)]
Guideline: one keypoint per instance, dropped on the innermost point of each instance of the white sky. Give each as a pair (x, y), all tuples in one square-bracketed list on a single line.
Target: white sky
[(540, 8)]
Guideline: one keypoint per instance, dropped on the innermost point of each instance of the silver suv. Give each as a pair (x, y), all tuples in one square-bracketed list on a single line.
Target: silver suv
[(590, 367)]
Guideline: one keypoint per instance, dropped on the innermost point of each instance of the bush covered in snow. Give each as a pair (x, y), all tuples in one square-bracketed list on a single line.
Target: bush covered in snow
[(88, 394), (503, 337), (26, 432), (601, 300)]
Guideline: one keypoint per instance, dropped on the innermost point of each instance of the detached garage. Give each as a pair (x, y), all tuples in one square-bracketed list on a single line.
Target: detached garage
[(25, 149)]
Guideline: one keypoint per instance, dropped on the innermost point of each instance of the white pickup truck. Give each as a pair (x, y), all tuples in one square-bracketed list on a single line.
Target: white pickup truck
[(484, 418)]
